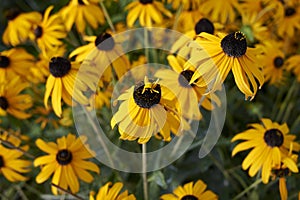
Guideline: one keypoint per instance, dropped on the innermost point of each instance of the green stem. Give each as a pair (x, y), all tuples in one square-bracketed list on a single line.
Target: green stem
[(257, 182), (109, 21), (177, 17), (144, 168), (68, 192)]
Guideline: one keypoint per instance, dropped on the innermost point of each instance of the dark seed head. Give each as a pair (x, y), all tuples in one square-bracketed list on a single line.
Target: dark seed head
[(59, 66), (185, 77), (189, 197), (38, 32), (64, 157), (1, 162), (278, 62), (273, 138), (146, 1), (289, 11), (234, 44), (108, 45), (80, 2), (3, 103), (12, 13), (148, 97), (204, 25), (4, 61)]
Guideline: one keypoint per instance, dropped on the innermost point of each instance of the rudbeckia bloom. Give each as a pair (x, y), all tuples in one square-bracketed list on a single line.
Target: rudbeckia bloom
[(60, 84), (112, 192), (11, 101), (19, 26), (191, 191), (48, 32), (14, 138), (11, 166), (219, 54), (82, 12), (293, 65), (184, 25), (66, 161), (186, 4), (268, 142), (15, 62), (148, 11)]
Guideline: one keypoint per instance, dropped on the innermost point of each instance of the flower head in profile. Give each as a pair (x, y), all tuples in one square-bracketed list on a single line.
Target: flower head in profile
[(66, 160), (293, 65), (191, 191), (112, 192), (19, 26), (217, 55), (147, 11), (269, 142)]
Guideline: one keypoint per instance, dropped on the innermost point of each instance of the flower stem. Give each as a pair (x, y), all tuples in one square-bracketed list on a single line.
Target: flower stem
[(257, 182), (66, 191), (144, 165), (109, 21)]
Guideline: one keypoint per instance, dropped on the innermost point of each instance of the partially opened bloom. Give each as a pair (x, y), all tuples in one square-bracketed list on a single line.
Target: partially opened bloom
[(19, 26), (191, 191), (268, 143), (66, 160), (12, 102), (218, 55), (11, 166), (112, 192), (81, 13), (147, 11)]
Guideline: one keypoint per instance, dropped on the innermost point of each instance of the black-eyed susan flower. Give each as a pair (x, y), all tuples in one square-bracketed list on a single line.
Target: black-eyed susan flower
[(269, 142), (48, 32), (185, 4), (251, 6), (112, 192), (13, 139), (12, 102), (184, 25), (19, 26), (66, 160), (11, 166), (221, 53), (60, 84), (82, 12), (293, 65), (15, 62), (147, 11), (191, 191)]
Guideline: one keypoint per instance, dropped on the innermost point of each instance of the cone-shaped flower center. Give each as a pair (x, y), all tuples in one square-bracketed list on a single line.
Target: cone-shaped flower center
[(189, 197), (64, 157), (147, 94), (185, 77), (4, 62), (59, 66), (80, 2), (12, 14), (108, 45), (281, 172), (273, 138), (1, 162), (146, 1), (234, 44), (289, 11), (38, 32), (278, 62), (204, 25), (3, 103)]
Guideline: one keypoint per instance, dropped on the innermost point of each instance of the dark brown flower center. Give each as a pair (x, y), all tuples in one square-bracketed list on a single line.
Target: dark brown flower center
[(146, 97), (234, 44), (59, 66), (12, 14), (273, 138), (189, 197), (146, 1), (185, 77), (1, 162), (80, 2), (204, 25), (3, 103), (108, 45), (4, 61), (38, 32), (289, 11), (278, 62), (64, 157)]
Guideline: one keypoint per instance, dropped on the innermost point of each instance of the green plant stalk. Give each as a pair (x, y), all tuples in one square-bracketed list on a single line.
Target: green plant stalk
[(253, 185), (144, 169), (109, 21)]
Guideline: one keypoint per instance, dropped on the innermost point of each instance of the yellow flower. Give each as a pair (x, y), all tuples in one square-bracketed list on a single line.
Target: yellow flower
[(66, 161), (13, 139), (293, 64), (48, 32), (19, 26), (221, 53), (60, 84), (12, 102), (148, 11), (185, 4), (268, 142), (191, 191), (15, 62), (82, 12), (112, 192), (11, 166), (184, 25)]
